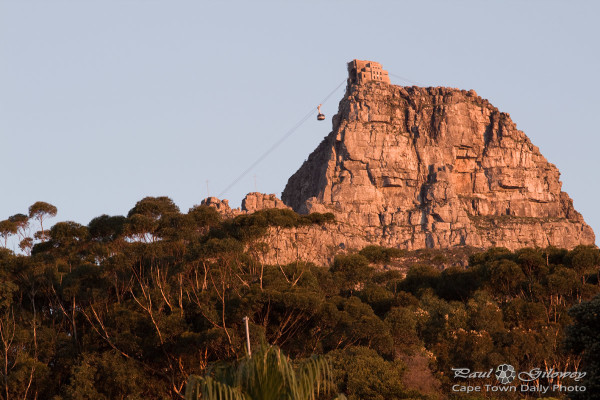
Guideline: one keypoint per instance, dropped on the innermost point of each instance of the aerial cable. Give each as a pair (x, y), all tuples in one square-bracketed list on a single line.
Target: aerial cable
[(280, 141), (404, 79)]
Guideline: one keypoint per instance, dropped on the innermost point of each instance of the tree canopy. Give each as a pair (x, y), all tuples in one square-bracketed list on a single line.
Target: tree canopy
[(132, 306)]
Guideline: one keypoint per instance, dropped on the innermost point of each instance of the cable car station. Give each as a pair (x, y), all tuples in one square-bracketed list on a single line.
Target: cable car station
[(360, 71)]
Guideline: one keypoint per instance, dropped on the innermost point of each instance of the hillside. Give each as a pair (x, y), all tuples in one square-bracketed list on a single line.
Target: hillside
[(415, 168), (130, 306)]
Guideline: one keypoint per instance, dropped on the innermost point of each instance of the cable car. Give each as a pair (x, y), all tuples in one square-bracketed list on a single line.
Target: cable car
[(320, 115)]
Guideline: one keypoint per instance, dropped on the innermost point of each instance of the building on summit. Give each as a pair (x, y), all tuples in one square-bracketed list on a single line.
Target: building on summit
[(360, 71)]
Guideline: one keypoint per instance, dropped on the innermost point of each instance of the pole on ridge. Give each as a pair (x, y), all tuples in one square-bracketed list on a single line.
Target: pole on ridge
[(247, 337)]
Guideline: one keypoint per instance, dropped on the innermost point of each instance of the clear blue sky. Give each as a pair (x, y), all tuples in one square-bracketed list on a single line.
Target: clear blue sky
[(105, 102)]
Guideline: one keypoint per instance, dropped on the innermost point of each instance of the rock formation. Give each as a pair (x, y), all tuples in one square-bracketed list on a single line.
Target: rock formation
[(414, 167), (252, 202), (222, 207), (258, 201)]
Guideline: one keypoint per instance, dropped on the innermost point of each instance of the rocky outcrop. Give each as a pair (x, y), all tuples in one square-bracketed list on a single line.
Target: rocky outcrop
[(258, 201), (222, 207), (252, 202), (414, 167)]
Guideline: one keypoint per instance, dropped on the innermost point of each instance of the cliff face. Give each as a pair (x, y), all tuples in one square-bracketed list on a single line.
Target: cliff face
[(415, 167)]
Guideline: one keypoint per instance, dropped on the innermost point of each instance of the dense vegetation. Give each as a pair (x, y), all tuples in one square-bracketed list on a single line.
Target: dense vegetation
[(266, 374), (130, 307)]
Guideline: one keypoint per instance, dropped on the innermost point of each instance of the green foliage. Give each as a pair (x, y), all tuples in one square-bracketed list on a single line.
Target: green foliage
[(583, 338), (19, 219), (154, 207), (68, 234), (382, 382), (317, 218), (204, 216), (130, 307), (378, 254), (352, 270), (21, 222), (563, 282), (265, 375), (420, 277), (106, 228), (106, 376), (357, 324), (141, 227), (403, 328), (7, 229), (378, 297), (457, 283), (506, 277), (175, 227), (41, 210), (251, 226), (493, 254)]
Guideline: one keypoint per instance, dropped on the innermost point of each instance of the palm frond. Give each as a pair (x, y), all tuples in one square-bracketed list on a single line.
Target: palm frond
[(207, 388), (267, 375)]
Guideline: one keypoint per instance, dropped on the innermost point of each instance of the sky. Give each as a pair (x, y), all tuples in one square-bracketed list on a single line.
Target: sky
[(103, 103)]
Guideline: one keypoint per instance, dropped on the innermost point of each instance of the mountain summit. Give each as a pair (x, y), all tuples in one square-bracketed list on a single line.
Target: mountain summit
[(435, 167)]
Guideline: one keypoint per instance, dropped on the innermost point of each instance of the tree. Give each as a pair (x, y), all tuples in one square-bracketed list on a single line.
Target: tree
[(583, 259), (266, 375), (7, 228), (26, 245), (143, 219), (563, 282), (583, 338), (506, 277), (204, 217), (420, 277), (379, 254), (106, 228), (22, 223), (67, 235), (353, 270), (41, 210), (364, 375), (403, 327), (458, 283), (154, 207)]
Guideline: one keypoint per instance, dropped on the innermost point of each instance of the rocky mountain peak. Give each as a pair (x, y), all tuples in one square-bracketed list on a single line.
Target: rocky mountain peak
[(416, 167)]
